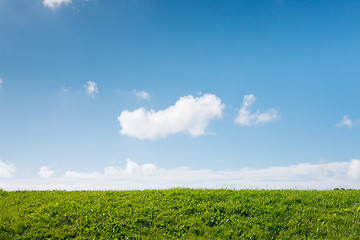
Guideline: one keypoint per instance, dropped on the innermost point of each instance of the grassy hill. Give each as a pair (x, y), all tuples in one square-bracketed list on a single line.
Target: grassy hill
[(180, 214)]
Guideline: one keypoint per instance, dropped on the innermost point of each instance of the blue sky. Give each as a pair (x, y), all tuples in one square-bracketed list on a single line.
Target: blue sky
[(247, 89)]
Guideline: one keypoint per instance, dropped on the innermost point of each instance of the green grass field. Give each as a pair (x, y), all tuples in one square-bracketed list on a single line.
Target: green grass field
[(180, 214)]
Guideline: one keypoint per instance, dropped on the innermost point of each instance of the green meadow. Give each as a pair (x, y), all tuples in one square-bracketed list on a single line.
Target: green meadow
[(180, 214)]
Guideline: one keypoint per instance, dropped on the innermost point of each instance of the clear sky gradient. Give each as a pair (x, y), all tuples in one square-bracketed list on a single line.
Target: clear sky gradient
[(247, 89)]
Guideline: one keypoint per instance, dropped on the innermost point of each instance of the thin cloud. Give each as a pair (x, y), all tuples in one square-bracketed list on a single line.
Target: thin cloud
[(6, 169), (81, 175), (91, 88), (53, 4), (45, 172), (65, 89), (1, 82), (149, 176), (304, 172), (142, 95), (345, 122), (188, 115), (246, 118)]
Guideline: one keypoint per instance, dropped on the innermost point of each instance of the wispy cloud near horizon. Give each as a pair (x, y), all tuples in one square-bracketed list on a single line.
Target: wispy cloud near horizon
[(6, 169), (45, 172)]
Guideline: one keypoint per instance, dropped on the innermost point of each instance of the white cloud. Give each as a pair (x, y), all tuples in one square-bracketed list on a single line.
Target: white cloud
[(53, 4), (148, 168), (142, 95), (1, 82), (6, 170), (345, 122), (45, 172), (81, 175), (131, 168), (148, 176), (353, 169), (189, 115), (91, 87), (246, 118)]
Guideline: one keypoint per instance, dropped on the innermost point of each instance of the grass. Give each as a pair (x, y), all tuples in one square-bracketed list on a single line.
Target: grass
[(180, 214)]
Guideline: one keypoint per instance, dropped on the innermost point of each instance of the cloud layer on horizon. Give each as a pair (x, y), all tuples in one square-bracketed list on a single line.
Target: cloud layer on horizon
[(149, 176), (188, 115)]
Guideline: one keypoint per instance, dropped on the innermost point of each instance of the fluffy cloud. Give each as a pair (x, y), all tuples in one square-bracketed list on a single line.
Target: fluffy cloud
[(142, 95), (91, 87), (189, 115), (246, 118), (45, 172), (148, 176), (53, 4), (6, 170), (345, 122), (131, 168)]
